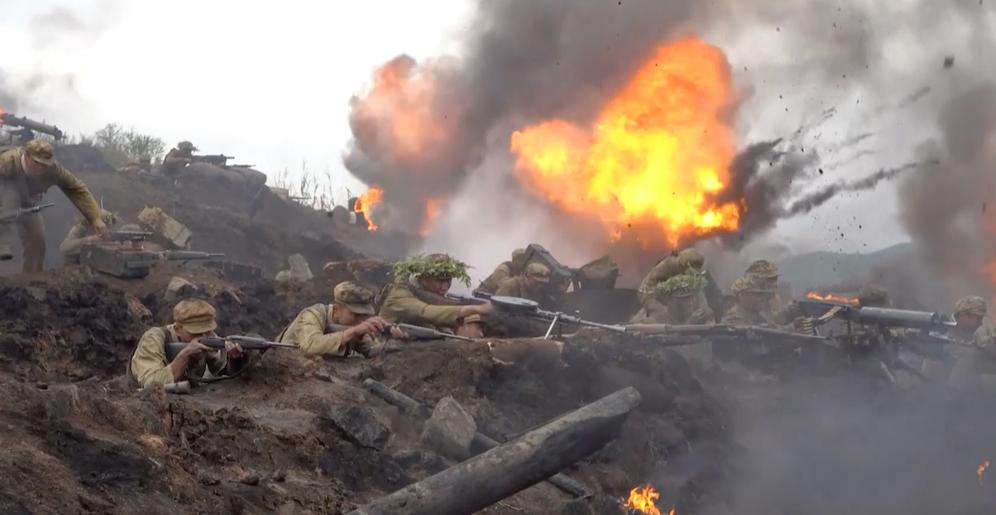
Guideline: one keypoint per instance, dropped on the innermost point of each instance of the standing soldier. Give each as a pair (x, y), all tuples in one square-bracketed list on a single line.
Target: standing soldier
[(418, 296), (314, 331), (192, 320), (504, 271), (178, 158), (26, 173)]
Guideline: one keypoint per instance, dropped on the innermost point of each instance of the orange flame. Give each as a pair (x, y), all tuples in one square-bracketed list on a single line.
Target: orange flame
[(658, 153), (981, 471), (830, 297), (644, 500), (365, 204), (433, 208)]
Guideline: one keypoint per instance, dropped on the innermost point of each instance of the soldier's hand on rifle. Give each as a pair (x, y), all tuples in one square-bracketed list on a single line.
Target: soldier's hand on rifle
[(195, 348), (233, 349), (373, 326), (101, 228), (398, 334), (477, 309)]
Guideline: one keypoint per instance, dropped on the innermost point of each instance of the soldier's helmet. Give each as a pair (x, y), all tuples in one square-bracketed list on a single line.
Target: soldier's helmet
[(538, 272), (186, 146), (518, 259), (691, 258), (752, 284), (764, 269), (971, 305)]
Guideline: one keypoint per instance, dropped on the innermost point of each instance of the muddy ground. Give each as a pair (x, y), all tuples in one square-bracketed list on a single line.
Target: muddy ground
[(78, 438)]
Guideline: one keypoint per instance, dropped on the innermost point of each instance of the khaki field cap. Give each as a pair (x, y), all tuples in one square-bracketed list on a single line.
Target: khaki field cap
[(195, 316), (354, 297), (763, 268), (40, 151), (971, 306), (538, 271)]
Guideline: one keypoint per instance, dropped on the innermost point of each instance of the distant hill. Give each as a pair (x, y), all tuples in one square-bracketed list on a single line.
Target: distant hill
[(817, 270)]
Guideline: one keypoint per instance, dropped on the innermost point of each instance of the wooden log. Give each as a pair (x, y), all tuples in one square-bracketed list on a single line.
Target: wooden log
[(481, 442), (500, 472)]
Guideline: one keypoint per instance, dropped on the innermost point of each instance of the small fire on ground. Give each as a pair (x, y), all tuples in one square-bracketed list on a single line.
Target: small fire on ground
[(365, 204), (830, 297), (981, 471), (644, 500)]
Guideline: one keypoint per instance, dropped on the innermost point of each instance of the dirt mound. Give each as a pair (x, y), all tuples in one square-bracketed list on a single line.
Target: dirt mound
[(83, 439)]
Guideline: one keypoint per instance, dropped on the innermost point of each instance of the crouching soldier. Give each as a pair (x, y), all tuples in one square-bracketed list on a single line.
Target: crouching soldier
[(418, 296), (82, 233), (152, 363), (348, 324)]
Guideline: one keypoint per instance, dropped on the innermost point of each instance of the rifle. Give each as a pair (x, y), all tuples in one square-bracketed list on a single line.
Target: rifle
[(531, 309), (17, 214), (414, 332), (219, 160), (31, 125), (218, 343), (129, 236), (723, 331), (823, 312), (132, 263)]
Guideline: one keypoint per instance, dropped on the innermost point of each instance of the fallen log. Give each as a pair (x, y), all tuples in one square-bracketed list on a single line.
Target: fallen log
[(481, 442), (500, 472)]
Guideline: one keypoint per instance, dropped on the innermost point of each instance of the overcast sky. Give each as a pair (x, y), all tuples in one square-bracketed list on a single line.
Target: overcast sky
[(269, 82)]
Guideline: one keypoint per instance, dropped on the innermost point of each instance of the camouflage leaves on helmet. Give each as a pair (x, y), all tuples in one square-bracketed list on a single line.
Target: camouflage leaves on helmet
[(432, 265), (688, 282)]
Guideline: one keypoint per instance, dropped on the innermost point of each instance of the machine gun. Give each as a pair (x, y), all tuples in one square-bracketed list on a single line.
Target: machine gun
[(821, 312), (531, 309), (219, 160), (16, 215), (28, 126), (131, 263), (559, 272), (414, 332)]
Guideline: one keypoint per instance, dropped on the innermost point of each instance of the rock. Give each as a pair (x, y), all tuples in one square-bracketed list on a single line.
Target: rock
[(450, 429), (249, 478), (360, 425), (168, 231), (179, 288), (137, 309), (283, 276), (299, 268)]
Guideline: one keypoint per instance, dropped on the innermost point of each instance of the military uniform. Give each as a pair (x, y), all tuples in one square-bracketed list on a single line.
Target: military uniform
[(149, 364), (688, 284), (519, 286), (504, 271), (18, 189), (310, 329), (975, 363), (177, 159), (77, 237), (402, 304)]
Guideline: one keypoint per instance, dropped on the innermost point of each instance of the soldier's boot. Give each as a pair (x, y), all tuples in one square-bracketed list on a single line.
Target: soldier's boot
[(6, 254)]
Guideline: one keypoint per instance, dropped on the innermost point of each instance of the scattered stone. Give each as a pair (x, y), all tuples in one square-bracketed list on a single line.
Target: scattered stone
[(450, 429), (283, 276), (249, 478), (299, 268), (153, 443), (360, 425), (179, 288)]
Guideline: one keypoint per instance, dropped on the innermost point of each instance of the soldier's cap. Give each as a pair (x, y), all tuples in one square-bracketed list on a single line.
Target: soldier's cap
[(354, 297), (195, 316), (873, 296), (539, 272), (186, 145), (751, 284), (763, 268), (684, 284), (40, 151), (971, 306)]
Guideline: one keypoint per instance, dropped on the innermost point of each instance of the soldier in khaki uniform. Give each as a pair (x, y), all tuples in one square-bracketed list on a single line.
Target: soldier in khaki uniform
[(82, 234), (676, 301), (974, 365), (352, 306), (26, 173), (504, 271), (418, 296), (193, 320), (534, 285), (753, 302), (177, 159)]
